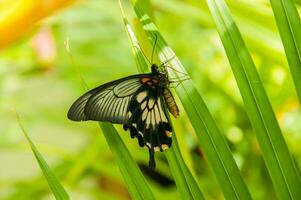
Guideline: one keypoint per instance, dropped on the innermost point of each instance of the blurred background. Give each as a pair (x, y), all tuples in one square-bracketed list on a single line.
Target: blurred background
[(41, 79)]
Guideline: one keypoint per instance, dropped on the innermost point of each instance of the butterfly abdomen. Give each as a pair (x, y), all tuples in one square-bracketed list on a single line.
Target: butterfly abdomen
[(171, 103)]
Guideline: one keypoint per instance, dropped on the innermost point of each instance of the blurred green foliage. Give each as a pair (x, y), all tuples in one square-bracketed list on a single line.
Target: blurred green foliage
[(38, 76)]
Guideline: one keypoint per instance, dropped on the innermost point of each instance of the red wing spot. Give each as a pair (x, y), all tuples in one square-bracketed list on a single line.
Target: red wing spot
[(150, 82), (145, 80), (155, 80)]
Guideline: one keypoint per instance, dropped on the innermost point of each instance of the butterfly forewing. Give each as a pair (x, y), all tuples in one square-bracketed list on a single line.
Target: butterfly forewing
[(106, 102)]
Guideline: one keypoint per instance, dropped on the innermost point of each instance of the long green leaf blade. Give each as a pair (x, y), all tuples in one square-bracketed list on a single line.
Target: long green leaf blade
[(277, 157), (186, 184), (57, 189), (135, 182), (141, 63), (289, 25), (215, 147)]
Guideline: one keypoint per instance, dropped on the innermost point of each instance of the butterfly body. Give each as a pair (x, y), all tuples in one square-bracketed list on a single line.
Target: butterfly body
[(138, 102)]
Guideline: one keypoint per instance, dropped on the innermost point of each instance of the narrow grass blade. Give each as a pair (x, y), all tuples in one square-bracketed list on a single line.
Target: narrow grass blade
[(57, 189), (212, 141), (289, 25), (277, 157), (186, 184), (135, 182), (141, 64)]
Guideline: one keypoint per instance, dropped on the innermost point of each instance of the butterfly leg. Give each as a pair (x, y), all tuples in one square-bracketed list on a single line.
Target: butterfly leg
[(178, 82)]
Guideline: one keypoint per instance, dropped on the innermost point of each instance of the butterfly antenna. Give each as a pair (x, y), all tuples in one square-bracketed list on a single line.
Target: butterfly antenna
[(154, 47), (179, 82), (177, 70)]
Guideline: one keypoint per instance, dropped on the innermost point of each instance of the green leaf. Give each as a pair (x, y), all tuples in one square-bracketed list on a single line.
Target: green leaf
[(136, 48), (275, 151), (214, 144), (57, 189), (289, 25), (186, 183), (135, 182)]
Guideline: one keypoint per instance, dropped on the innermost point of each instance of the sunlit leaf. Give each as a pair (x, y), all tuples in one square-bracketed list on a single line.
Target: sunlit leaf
[(135, 182), (289, 25), (275, 151), (57, 189)]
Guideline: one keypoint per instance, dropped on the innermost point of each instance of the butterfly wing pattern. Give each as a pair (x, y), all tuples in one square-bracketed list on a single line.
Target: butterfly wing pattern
[(137, 102)]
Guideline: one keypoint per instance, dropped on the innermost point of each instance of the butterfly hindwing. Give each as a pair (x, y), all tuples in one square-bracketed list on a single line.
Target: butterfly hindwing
[(149, 121)]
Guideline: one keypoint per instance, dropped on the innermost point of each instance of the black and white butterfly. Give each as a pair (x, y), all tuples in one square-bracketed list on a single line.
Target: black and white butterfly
[(139, 102)]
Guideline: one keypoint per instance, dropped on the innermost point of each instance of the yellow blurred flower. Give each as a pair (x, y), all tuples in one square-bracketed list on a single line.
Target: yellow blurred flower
[(18, 16)]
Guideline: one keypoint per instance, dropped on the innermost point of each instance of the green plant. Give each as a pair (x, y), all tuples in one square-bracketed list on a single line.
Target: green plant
[(217, 152)]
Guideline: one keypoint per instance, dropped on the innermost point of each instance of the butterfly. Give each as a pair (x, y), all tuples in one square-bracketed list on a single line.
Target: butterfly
[(139, 102)]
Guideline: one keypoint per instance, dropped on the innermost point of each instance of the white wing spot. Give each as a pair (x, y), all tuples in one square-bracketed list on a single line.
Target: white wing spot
[(141, 96), (144, 114), (164, 146), (143, 105), (151, 103), (129, 114), (157, 114), (140, 133), (153, 122), (163, 115), (148, 120)]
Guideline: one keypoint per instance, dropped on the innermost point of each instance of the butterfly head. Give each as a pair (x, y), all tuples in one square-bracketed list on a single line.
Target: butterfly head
[(155, 69), (161, 74)]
